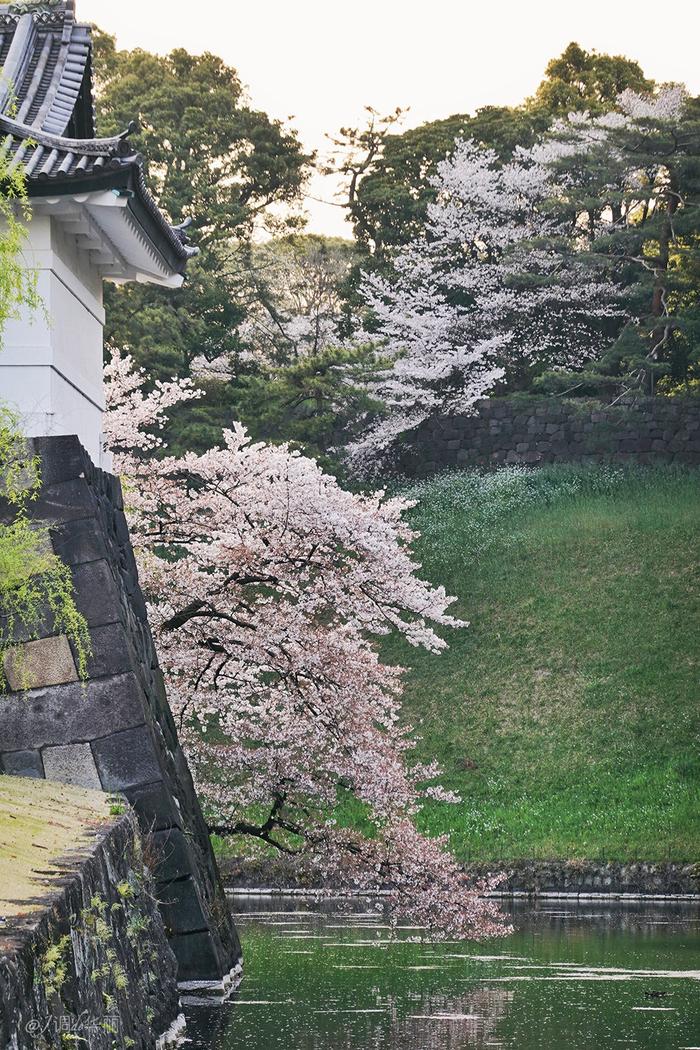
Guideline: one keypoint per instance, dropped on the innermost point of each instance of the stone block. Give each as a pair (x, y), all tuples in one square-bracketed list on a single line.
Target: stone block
[(67, 713), (111, 652), (96, 594), (113, 490), (79, 542), (62, 458), (121, 530), (155, 807), (23, 764), (72, 764), (173, 855), (181, 908), (37, 665), (126, 760), (638, 444), (66, 501), (197, 957)]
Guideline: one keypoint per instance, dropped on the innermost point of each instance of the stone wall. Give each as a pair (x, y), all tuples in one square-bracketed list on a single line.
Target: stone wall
[(530, 877), (533, 431), (115, 731), (93, 961), (583, 878)]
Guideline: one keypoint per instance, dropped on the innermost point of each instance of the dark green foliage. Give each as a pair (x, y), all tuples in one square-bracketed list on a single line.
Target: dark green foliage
[(165, 330), (646, 175), (209, 155), (390, 202), (314, 402), (211, 158), (586, 80)]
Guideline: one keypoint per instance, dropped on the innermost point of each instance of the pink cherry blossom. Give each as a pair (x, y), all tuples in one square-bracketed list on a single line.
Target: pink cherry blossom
[(269, 588)]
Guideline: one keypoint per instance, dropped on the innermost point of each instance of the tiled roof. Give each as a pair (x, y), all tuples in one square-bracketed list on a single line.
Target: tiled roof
[(46, 57), (46, 111)]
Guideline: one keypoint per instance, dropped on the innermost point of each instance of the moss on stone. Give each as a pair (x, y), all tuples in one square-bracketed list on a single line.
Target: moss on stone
[(41, 822)]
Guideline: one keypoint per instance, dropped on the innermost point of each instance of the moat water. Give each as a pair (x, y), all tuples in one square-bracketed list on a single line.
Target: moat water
[(322, 977)]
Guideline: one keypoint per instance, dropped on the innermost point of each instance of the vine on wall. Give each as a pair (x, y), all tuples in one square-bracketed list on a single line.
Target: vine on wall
[(36, 588)]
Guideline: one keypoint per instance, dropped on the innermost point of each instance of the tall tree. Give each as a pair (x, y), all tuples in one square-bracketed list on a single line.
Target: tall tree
[(293, 290), (587, 81), (389, 205), (212, 159), (390, 175), (632, 178), (300, 382)]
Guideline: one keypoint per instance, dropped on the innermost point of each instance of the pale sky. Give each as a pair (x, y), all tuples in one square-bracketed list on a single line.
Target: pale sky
[(320, 62)]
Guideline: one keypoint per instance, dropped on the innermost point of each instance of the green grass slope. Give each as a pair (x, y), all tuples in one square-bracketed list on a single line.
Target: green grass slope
[(568, 714)]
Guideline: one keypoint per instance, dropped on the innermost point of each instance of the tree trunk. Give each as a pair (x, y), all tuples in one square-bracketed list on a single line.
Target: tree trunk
[(659, 307)]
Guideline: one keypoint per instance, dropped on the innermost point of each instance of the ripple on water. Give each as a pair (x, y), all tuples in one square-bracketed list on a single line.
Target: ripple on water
[(555, 985)]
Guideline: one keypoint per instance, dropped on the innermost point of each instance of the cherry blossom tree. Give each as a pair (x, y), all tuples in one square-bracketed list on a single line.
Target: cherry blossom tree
[(515, 264), (631, 179), (574, 249), (269, 588), (494, 279)]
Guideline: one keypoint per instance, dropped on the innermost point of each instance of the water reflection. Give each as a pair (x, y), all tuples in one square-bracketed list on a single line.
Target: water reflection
[(330, 976)]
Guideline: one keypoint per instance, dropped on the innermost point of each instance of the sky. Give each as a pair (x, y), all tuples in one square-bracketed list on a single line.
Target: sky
[(320, 62)]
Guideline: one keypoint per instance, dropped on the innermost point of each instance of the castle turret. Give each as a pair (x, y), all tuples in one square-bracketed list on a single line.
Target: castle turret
[(93, 220)]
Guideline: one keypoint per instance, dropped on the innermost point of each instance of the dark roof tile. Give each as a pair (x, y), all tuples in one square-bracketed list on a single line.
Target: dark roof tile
[(46, 96)]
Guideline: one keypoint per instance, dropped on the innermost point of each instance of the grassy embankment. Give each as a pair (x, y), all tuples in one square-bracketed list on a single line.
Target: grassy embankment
[(568, 714)]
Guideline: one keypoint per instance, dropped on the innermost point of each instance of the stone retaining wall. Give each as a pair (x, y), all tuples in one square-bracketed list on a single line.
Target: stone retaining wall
[(115, 732), (94, 962), (531, 431), (636, 878), (531, 877)]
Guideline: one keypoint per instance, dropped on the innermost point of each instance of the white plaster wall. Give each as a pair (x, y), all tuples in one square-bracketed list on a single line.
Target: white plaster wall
[(51, 361)]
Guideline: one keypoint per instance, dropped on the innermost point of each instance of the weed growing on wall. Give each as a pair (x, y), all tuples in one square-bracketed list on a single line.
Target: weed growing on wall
[(111, 946)]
